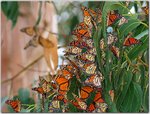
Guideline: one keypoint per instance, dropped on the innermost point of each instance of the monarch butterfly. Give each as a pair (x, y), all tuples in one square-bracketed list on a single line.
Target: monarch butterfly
[(80, 104), (60, 98), (115, 51), (44, 84), (39, 90), (79, 44), (101, 107), (68, 67), (81, 33), (94, 80), (90, 43), (146, 10), (82, 25), (31, 31), (112, 17), (122, 21), (91, 17), (85, 92), (65, 73), (86, 57), (111, 38), (97, 99), (92, 51), (63, 84), (89, 68), (15, 104), (73, 50), (102, 44), (131, 41)]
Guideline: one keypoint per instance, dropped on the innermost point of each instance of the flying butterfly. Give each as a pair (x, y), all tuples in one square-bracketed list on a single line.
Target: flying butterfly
[(85, 92), (39, 90), (115, 51), (131, 41), (46, 43), (15, 104), (31, 31), (112, 17)]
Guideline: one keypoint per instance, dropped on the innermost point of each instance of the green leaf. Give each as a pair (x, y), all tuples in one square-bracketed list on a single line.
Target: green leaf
[(11, 11), (142, 34), (121, 95), (136, 105), (128, 27), (133, 53), (24, 110)]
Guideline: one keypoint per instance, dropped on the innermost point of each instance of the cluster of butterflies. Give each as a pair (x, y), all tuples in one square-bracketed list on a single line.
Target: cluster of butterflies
[(81, 55)]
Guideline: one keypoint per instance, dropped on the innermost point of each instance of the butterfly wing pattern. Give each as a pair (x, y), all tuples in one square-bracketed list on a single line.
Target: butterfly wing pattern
[(81, 58)]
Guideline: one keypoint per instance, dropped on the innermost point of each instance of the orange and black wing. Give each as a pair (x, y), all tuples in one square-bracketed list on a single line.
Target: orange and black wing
[(63, 85), (85, 92), (15, 104), (131, 41)]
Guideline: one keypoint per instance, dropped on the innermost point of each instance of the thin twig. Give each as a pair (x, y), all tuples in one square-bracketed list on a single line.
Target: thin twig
[(18, 74)]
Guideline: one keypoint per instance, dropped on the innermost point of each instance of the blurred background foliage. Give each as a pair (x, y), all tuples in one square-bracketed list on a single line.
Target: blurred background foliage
[(129, 76)]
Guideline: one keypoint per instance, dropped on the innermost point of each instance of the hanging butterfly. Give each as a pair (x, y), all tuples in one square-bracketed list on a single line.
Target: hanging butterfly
[(131, 41), (60, 98), (91, 17), (92, 51), (85, 92), (44, 84), (80, 44), (97, 99), (31, 31), (115, 51), (88, 19), (73, 50), (89, 42), (79, 103), (86, 57), (63, 85), (146, 10), (112, 17), (39, 90), (81, 33), (122, 21), (81, 25), (101, 107), (94, 80), (65, 73), (68, 67), (102, 44), (111, 38), (89, 68), (15, 104)]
